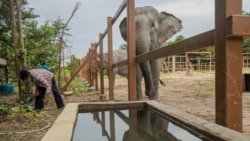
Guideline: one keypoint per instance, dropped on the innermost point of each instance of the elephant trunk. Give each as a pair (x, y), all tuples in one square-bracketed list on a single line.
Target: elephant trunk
[(141, 47), (146, 72)]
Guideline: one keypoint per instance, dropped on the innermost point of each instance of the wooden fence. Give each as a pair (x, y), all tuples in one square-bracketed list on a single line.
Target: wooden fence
[(184, 62), (230, 28)]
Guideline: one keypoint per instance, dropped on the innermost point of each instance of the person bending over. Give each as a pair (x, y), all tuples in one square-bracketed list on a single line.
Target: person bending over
[(45, 82)]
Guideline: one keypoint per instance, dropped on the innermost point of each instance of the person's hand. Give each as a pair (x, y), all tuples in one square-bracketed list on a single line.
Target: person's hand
[(37, 93)]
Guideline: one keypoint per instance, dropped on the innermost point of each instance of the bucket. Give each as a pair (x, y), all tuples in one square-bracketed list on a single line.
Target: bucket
[(6, 88)]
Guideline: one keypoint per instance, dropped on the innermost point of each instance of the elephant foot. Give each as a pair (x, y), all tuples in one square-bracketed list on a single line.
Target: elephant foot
[(139, 98), (153, 97), (147, 93)]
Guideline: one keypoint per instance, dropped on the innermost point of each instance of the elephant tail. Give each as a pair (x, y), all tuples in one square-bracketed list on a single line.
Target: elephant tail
[(162, 83)]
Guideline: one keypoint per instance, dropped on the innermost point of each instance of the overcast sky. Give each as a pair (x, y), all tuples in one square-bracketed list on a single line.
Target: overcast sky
[(91, 18)]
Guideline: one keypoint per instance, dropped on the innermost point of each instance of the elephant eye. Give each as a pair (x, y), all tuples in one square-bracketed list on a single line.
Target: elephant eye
[(152, 25)]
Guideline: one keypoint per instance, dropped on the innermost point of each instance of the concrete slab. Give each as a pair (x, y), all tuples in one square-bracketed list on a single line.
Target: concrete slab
[(62, 129)]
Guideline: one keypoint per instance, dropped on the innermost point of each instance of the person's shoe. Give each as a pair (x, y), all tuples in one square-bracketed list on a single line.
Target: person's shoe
[(61, 108), (38, 110)]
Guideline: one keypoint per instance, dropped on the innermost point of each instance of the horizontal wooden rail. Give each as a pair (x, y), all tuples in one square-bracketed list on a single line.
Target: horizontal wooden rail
[(121, 63), (197, 42), (119, 11), (237, 25), (74, 74), (117, 14)]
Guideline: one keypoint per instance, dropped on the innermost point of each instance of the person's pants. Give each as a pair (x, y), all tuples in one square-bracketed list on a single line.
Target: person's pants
[(39, 103)]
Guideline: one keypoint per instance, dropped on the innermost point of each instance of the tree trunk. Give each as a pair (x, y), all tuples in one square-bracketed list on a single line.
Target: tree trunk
[(14, 37), (20, 31), (1, 2), (61, 43)]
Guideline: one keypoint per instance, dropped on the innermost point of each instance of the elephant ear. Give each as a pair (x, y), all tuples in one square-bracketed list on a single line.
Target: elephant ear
[(123, 28), (169, 25)]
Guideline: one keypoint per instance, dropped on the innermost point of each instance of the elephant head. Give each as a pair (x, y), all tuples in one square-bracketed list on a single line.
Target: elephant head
[(152, 29), (118, 56), (105, 60)]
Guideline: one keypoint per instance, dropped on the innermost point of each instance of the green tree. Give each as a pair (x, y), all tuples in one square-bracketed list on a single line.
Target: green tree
[(123, 46), (246, 45), (177, 39), (246, 41), (7, 47), (41, 43)]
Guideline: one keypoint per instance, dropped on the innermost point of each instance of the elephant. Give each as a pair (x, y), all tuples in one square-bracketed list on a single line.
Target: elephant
[(118, 56), (152, 29)]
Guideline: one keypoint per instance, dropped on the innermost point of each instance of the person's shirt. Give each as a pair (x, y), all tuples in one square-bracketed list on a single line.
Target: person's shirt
[(46, 67), (42, 78)]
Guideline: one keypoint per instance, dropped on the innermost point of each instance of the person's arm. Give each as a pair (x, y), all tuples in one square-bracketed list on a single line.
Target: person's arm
[(37, 92)]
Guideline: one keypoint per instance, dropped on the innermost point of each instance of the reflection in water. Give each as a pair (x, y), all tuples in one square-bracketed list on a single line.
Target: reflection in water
[(128, 125), (150, 127)]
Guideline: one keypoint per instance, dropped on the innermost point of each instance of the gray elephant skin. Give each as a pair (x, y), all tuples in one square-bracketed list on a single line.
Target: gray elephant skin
[(118, 56), (151, 30)]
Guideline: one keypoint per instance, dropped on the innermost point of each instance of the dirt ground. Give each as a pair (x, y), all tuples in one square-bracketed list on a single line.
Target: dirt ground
[(192, 94)]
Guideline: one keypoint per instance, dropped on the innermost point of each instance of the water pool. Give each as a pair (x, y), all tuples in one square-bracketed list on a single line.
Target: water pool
[(117, 121), (130, 125)]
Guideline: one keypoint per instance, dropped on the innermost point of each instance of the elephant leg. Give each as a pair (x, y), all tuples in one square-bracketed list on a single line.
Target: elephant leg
[(155, 68), (139, 95), (115, 71), (147, 74)]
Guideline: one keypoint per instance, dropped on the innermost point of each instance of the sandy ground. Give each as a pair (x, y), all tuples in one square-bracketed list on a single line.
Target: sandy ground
[(193, 94)]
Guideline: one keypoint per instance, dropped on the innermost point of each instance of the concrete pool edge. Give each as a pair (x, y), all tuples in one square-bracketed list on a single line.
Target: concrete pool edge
[(198, 124), (63, 127)]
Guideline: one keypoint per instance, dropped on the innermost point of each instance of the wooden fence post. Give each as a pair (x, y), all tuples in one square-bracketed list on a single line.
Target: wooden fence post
[(228, 74)]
